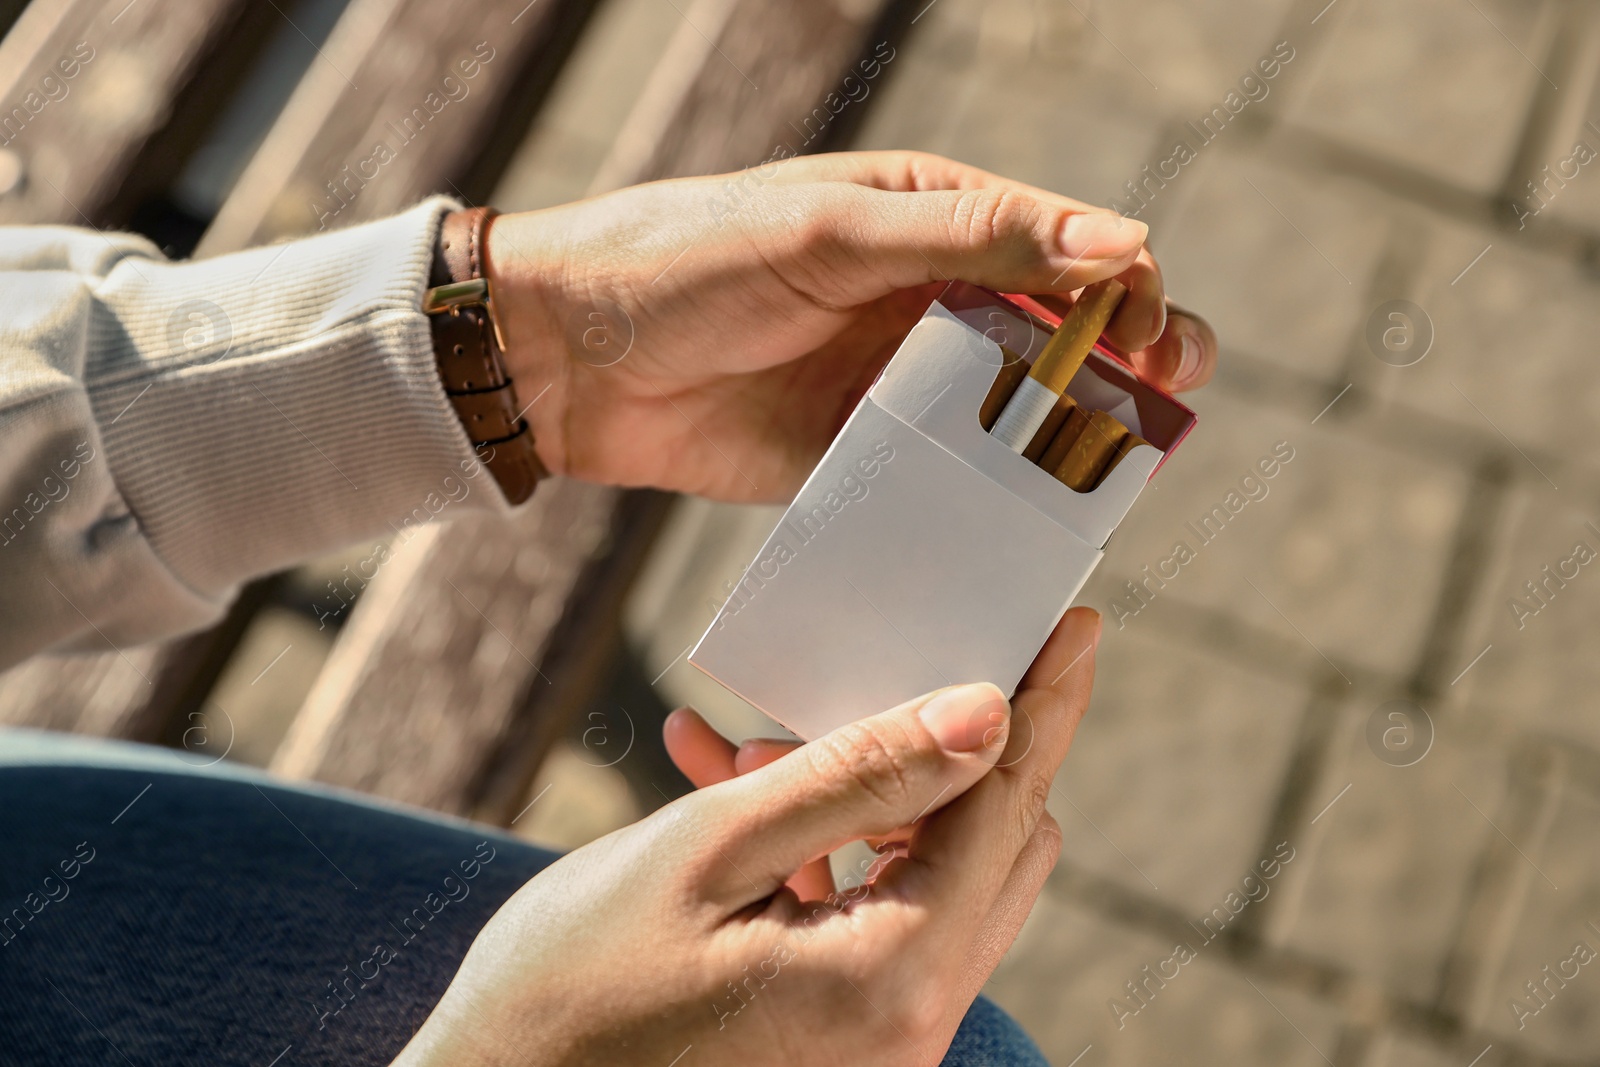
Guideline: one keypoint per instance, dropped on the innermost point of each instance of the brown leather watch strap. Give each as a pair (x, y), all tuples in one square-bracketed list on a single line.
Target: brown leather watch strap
[(466, 342)]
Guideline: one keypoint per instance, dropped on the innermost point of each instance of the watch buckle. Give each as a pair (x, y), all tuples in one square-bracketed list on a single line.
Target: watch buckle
[(453, 296)]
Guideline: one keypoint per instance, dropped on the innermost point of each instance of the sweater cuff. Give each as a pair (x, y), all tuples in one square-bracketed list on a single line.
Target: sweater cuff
[(272, 405)]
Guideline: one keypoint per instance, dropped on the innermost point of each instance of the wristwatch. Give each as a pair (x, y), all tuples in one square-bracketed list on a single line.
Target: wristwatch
[(471, 354)]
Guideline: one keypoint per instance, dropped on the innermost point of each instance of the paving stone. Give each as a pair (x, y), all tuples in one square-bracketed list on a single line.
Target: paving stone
[(1278, 261), (1531, 675), (1384, 876), (981, 89), (1061, 976), (1511, 354), (1349, 541), (1434, 85), (1173, 774), (1569, 192), (1178, 56), (1195, 53), (1556, 915), (1399, 1050)]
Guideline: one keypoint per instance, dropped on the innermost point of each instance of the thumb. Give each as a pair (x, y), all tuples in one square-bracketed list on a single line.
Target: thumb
[(1002, 238), (864, 779)]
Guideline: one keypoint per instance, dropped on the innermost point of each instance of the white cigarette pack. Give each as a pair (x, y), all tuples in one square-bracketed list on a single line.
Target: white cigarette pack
[(922, 552)]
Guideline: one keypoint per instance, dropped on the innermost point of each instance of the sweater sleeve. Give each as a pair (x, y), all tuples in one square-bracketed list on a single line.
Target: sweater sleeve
[(170, 430)]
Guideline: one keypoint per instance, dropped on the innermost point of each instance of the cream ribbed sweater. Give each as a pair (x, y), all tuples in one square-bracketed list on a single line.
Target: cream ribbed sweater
[(170, 430)]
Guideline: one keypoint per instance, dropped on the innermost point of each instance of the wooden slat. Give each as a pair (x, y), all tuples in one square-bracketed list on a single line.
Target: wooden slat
[(447, 637), (10, 11), (81, 694), (739, 82), (150, 693), (76, 149), (383, 82), (426, 701), (581, 652), (400, 50)]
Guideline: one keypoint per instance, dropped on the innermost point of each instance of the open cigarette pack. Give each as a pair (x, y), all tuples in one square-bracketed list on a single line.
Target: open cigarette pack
[(923, 551)]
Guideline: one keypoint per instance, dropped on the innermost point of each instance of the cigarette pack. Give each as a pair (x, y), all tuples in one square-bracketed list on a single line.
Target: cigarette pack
[(922, 552)]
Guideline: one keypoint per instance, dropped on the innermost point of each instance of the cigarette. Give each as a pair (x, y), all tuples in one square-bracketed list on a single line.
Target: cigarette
[(1013, 368), (1060, 359), (1090, 453), (1052, 423)]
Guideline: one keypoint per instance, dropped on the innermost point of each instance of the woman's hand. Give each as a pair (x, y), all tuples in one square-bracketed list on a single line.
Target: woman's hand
[(680, 933), (712, 334)]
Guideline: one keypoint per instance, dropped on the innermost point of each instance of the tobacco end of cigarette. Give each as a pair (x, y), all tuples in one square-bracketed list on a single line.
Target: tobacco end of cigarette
[(1090, 453), (1013, 368), (1077, 421), (1129, 443)]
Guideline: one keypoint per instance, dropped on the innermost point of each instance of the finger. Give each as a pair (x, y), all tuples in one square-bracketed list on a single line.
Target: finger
[(857, 244), (907, 172), (1183, 358), (1012, 907), (704, 756), (1142, 315), (861, 780), (968, 848), (814, 881), (760, 751)]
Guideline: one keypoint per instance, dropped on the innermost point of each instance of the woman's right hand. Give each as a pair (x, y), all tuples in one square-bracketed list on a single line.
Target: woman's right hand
[(679, 932)]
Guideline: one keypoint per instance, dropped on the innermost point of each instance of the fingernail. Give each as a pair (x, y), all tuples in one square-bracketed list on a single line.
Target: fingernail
[(968, 718), (1188, 359), (1100, 235)]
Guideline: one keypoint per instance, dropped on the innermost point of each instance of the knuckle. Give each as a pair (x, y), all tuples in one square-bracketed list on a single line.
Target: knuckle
[(871, 754), (921, 167), (815, 233), (1032, 796), (824, 222), (985, 217)]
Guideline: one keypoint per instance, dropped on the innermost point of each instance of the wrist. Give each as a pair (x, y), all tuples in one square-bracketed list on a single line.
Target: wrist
[(529, 283), (469, 351)]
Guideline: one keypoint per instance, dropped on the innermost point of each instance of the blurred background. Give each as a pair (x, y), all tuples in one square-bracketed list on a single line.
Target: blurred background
[(1375, 683)]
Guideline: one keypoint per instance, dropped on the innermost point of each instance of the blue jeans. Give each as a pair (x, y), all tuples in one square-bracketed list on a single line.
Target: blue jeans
[(154, 912)]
